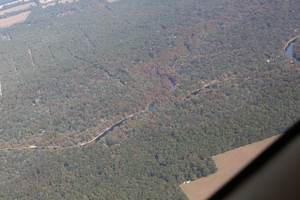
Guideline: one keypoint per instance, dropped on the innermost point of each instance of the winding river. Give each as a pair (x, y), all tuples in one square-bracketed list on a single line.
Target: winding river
[(288, 51), (289, 47)]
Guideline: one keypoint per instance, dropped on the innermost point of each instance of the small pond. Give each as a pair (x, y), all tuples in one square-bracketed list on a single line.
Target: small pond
[(289, 49), (152, 107)]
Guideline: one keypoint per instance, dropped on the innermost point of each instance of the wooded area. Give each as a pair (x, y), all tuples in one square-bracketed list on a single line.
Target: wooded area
[(70, 71), (296, 50)]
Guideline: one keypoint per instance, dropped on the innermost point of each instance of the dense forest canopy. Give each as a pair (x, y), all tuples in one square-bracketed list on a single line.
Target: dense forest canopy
[(296, 50), (215, 71)]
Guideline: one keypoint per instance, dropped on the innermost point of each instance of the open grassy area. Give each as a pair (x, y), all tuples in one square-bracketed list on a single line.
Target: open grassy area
[(228, 164)]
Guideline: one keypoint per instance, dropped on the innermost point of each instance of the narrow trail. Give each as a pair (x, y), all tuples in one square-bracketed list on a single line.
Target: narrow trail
[(30, 54)]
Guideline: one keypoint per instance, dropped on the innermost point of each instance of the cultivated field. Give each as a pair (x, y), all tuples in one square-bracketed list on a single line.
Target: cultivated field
[(6, 22), (17, 8), (228, 164)]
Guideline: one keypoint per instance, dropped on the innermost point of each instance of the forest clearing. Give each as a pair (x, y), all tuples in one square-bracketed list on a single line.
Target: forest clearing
[(17, 8), (228, 164)]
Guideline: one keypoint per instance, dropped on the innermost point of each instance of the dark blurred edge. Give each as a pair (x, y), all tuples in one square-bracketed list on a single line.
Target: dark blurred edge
[(261, 160)]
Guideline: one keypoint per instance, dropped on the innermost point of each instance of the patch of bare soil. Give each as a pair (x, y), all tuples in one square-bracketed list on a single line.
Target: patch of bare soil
[(67, 1), (50, 4), (45, 1), (21, 7), (6, 22), (228, 164), (110, 1)]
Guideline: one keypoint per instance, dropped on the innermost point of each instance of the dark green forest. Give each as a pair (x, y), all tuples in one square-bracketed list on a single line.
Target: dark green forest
[(216, 72), (296, 50)]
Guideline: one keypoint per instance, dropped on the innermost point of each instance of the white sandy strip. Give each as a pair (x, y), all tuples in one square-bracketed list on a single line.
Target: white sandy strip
[(45, 1), (7, 4)]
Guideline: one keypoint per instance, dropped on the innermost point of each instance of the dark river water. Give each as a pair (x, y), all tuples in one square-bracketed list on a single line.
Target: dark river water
[(289, 49), (172, 82), (109, 130), (152, 107)]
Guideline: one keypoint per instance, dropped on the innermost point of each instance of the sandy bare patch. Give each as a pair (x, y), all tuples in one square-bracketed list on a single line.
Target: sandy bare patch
[(45, 1), (53, 3), (228, 164), (50, 4), (6, 22), (21, 7), (110, 1)]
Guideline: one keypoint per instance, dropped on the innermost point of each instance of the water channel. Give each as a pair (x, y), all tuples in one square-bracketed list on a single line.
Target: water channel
[(109, 130), (152, 107), (171, 80), (289, 49)]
